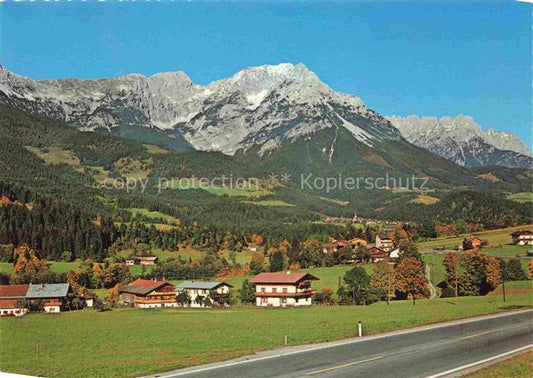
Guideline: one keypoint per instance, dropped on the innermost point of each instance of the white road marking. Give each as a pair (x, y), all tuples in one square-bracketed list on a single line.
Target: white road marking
[(345, 365), (458, 369), (334, 344), (480, 334)]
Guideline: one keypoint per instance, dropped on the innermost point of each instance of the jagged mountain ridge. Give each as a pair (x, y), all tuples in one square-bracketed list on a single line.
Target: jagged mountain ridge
[(259, 106), (463, 141)]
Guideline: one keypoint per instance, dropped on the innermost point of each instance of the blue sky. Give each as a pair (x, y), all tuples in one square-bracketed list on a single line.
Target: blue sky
[(400, 58)]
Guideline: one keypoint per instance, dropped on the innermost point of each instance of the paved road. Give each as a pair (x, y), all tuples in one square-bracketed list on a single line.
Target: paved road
[(418, 353)]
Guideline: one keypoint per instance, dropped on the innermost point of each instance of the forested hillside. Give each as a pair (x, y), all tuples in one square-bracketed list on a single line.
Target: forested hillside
[(65, 180)]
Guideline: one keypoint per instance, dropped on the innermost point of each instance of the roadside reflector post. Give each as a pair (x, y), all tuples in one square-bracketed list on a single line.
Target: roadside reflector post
[(286, 340), (360, 329), (37, 350)]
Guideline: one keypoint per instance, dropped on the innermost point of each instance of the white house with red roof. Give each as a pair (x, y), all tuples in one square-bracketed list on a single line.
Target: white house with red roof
[(283, 289)]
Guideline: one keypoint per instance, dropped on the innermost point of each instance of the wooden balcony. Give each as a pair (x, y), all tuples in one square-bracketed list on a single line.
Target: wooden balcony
[(154, 301), (300, 294)]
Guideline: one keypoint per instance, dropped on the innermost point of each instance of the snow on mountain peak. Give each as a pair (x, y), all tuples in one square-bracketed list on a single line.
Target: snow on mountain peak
[(262, 105), (462, 140)]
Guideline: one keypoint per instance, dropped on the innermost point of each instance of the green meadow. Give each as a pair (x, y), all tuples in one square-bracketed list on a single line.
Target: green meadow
[(129, 342), (521, 197), (498, 240)]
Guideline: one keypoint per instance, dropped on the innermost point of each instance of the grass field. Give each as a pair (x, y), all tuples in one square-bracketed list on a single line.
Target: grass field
[(329, 276), (521, 197), (424, 199), (495, 238), (152, 214), (246, 189), (269, 203), (519, 366), (129, 342), (155, 150), (57, 155)]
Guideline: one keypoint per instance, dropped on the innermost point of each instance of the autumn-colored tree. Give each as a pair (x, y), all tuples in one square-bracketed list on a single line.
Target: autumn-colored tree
[(494, 273), (362, 254), (26, 261), (295, 266), (530, 269), (285, 246), (410, 278), (408, 249), (344, 255), (234, 271), (450, 263), (257, 264), (113, 296), (75, 280), (257, 239), (314, 256), (383, 279), (473, 280), (399, 235), (98, 275)]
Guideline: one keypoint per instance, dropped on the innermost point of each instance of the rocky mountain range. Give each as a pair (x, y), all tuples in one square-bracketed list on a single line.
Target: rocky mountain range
[(463, 141), (259, 108)]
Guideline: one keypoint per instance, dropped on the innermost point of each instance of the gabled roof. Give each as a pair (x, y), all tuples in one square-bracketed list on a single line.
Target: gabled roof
[(282, 277), (521, 232), (377, 251), (385, 235), (141, 282), (13, 291), (470, 238), (355, 240), (201, 285), (343, 243), (47, 290), (143, 287), (149, 258)]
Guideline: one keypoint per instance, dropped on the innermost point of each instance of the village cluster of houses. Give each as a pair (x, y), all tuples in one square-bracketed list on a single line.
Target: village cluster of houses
[(53, 298), (282, 289), (383, 250)]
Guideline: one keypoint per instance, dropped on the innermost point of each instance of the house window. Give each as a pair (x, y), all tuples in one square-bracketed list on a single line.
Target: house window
[(297, 300), (274, 290), (284, 289), (263, 290), (283, 300), (263, 300)]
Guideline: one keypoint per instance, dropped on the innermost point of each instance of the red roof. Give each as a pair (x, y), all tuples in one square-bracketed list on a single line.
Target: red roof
[(282, 277), (13, 291), (52, 303), (378, 252), (10, 303), (141, 282)]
